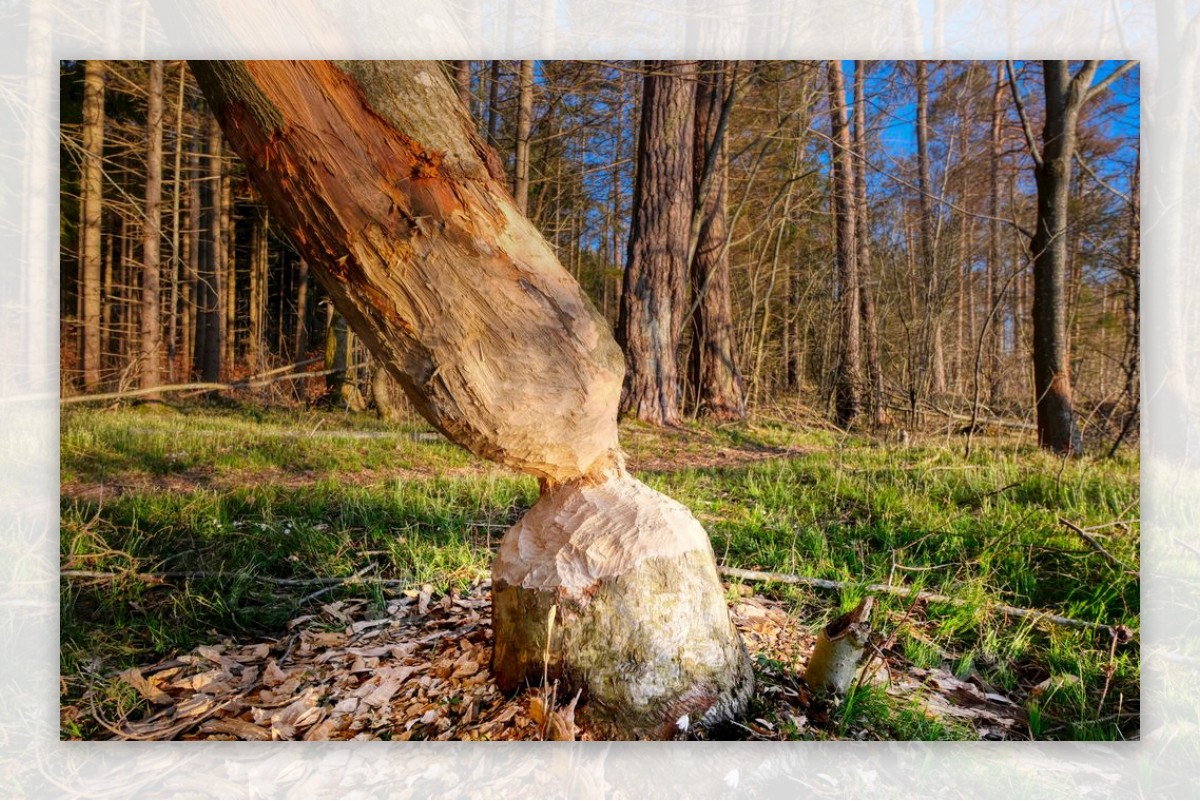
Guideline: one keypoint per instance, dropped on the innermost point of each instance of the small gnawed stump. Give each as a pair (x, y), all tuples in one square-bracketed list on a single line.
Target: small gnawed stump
[(640, 621)]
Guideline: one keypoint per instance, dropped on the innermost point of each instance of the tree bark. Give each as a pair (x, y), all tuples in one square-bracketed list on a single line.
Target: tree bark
[(652, 298), (227, 269), (848, 385), (932, 351), (715, 376), (421, 248), (1064, 97), (301, 331), (151, 341), (208, 274), (524, 123), (93, 207), (995, 376), (462, 79)]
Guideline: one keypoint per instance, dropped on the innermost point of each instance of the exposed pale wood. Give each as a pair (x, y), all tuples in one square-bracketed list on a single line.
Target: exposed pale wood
[(641, 623)]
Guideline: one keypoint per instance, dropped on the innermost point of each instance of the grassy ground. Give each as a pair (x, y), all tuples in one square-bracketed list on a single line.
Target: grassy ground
[(233, 504)]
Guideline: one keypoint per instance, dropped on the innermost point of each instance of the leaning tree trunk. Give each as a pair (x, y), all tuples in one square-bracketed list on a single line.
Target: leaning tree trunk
[(421, 248)]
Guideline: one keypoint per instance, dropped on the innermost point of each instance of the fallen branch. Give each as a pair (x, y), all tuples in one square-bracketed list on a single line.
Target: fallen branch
[(999, 422), (177, 575), (1092, 541), (260, 380), (1124, 633)]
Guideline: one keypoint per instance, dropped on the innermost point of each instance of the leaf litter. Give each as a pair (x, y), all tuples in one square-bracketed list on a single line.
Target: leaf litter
[(419, 669)]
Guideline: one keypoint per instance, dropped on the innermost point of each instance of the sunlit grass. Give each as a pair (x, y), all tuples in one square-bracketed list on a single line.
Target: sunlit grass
[(304, 496)]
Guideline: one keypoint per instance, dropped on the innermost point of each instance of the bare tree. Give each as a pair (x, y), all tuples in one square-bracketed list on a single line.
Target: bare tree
[(1065, 97), (870, 324), (848, 386)]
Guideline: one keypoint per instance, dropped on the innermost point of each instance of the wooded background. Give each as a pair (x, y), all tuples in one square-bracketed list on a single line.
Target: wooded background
[(851, 239)]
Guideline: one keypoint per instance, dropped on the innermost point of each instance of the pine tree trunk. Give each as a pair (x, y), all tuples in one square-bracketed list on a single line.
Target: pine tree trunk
[(301, 331), (462, 79), (208, 293), (151, 340), (93, 207), (421, 248), (173, 304), (715, 376), (652, 298), (227, 268), (524, 123), (848, 387)]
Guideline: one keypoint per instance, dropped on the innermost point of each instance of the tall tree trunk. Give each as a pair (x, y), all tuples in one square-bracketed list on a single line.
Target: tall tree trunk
[(863, 236), (258, 289), (151, 340), (715, 376), (652, 298), (173, 304), (301, 332), (191, 250), (227, 268), (933, 358), (995, 285), (208, 277), (93, 207), (1064, 96), (493, 115), (848, 385), (524, 123), (462, 80), (421, 248)]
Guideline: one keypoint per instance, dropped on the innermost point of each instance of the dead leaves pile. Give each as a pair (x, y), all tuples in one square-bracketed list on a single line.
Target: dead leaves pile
[(416, 670), (419, 670)]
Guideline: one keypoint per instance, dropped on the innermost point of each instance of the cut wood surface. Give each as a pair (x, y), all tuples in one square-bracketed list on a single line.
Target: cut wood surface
[(375, 172), (640, 620)]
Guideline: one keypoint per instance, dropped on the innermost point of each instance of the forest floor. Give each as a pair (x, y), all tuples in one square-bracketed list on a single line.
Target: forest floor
[(236, 572)]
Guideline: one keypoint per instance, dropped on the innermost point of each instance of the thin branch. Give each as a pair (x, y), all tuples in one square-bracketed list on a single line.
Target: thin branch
[(1092, 541), (1095, 177), (1107, 82), (1025, 126)]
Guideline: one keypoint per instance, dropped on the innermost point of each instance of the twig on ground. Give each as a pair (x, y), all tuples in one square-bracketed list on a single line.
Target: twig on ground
[(1090, 540), (1123, 632)]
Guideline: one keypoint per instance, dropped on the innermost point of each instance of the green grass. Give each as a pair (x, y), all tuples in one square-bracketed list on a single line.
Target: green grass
[(236, 496)]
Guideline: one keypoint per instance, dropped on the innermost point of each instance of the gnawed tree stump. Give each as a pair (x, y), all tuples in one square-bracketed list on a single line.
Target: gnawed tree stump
[(375, 172), (640, 620)]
